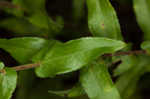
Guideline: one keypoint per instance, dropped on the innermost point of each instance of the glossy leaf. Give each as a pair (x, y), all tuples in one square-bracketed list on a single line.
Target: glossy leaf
[(97, 83), (142, 11), (43, 51), (102, 19), (8, 82), (75, 54), (76, 91), (22, 49)]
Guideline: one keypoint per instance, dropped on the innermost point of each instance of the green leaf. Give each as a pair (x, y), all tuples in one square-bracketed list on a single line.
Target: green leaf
[(1, 65), (102, 19), (20, 26), (22, 49), (127, 63), (38, 15), (8, 82), (146, 46), (76, 91), (78, 9), (97, 83), (142, 11), (127, 82), (41, 54), (73, 55)]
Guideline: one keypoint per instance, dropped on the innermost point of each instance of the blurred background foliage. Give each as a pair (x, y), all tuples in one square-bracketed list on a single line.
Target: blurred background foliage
[(67, 20)]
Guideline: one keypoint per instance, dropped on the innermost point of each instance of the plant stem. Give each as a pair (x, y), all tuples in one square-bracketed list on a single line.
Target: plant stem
[(29, 66), (25, 67), (126, 53)]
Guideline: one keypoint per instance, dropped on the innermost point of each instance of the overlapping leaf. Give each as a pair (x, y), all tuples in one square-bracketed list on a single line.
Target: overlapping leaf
[(73, 55), (38, 16), (21, 26), (127, 82), (22, 49), (142, 11), (8, 81), (97, 82), (102, 19), (127, 63), (146, 46)]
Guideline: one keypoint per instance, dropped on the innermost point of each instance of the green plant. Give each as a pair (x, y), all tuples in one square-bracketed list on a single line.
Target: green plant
[(45, 61)]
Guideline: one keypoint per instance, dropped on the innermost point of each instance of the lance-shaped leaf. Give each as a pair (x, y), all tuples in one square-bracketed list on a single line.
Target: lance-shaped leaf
[(76, 91), (142, 11), (97, 82), (22, 49), (71, 56), (102, 19), (8, 81)]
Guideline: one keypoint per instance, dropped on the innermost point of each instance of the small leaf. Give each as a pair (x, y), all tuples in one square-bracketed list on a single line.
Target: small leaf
[(97, 83), (38, 16), (76, 91), (8, 82), (127, 63), (73, 55), (1, 65), (22, 49), (146, 46), (127, 82), (20, 26), (102, 19), (78, 9), (142, 11)]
